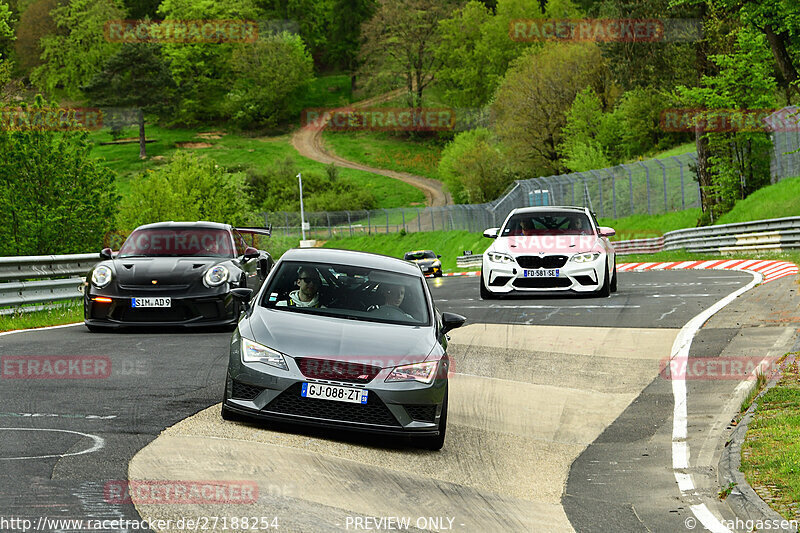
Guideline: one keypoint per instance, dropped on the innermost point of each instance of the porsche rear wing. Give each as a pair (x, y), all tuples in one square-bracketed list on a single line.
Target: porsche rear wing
[(258, 231)]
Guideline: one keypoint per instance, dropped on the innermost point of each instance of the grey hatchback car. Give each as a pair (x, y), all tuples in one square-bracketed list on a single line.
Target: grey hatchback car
[(342, 339)]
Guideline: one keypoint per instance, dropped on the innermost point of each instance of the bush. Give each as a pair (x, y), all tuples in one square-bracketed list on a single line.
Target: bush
[(188, 188), (276, 189), (474, 167)]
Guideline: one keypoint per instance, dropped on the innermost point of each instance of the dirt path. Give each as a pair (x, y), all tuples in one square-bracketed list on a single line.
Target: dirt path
[(308, 143)]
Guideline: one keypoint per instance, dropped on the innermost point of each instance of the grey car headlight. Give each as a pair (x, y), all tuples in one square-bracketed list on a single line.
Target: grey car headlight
[(101, 276), (496, 257), (422, 372), (586, 257), (252, 352), (216, 276)]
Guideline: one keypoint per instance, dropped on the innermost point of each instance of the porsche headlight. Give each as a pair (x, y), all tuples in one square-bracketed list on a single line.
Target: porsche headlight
[(252, 352), (585, 258), (422, 372), (495, 257), (437, 263), (216, 276), (101, 276)]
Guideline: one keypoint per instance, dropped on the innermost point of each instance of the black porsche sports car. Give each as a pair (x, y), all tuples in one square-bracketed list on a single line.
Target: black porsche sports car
[(176, 274)]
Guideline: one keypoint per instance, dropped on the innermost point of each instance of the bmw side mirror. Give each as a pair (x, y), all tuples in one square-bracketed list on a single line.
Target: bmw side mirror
[(439, 256), (607, 232), (452, 321), (105, 253), (251, 253), (491, 233)]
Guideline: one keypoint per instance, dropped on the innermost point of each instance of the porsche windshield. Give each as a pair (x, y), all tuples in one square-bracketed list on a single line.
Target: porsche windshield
[(415, 256), (547, 223), (176, 242), (348, 292)]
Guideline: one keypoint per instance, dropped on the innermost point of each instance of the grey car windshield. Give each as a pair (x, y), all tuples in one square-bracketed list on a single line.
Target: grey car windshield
[(348, 292), (410, 256), (547, 223)]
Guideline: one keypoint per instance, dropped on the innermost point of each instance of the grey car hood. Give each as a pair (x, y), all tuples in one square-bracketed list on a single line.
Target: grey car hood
[(301, 335)]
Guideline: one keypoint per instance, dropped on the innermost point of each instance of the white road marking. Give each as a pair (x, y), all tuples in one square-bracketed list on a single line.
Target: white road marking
[(99, 442), (680, 448), (40, 329)]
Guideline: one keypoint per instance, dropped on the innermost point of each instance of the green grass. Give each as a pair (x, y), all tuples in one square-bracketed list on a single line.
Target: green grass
[(69, 313), (774, 201), (234, 150), (383, 150), (771, 451), (646, 226), (448, 244), (328, 91), (676, 150)]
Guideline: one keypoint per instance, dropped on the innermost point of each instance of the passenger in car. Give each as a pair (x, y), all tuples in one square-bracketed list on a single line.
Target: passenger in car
[(307, 295)]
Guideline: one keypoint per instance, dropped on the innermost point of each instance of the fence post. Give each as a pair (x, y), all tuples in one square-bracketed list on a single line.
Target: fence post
[(433, 223), (444, 218), (647, 183), (630, 185), (599, 190), (330, 229), (664, 178), (369, 224), (683, 187), (613, 191), (419, 219), (286, 226), (403, 212), (387, 221), (349, 223), (572, 186)]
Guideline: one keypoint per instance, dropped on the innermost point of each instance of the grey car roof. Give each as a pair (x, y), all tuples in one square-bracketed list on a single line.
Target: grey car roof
[(350, 257), (198, 224)]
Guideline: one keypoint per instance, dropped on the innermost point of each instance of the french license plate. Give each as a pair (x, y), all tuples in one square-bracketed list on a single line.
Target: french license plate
[(541, 273), (334, 392), (151, 302)]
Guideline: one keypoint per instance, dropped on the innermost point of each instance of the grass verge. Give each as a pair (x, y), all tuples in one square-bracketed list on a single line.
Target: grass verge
[(771, 451), (68, 313), (448, 244), (382, 150), (234, 150)]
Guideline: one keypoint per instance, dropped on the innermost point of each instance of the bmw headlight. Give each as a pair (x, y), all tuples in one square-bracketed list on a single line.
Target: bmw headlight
[(101, 276), (585, 258), (495, 257), (252, 352), (216, 276), (422, 372), (437, 263)]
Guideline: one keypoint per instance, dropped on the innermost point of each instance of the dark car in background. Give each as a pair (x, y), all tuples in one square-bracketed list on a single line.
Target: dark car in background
[(428, 261), (175, 274), (345, 340)]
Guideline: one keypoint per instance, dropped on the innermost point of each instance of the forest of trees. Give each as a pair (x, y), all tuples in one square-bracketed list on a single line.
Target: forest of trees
[(549, 106)]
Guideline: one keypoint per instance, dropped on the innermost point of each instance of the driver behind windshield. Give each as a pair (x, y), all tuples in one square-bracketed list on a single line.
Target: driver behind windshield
[(307, 294)]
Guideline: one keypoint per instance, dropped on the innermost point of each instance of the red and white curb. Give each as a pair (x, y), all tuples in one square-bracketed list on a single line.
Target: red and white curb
[(770, 270)]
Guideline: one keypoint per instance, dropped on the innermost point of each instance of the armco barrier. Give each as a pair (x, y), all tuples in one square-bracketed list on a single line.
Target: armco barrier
[(47, 279)]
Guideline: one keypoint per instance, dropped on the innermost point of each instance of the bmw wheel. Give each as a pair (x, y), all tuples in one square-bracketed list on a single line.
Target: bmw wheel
[(605, 290), (614, 278), (486, 294)]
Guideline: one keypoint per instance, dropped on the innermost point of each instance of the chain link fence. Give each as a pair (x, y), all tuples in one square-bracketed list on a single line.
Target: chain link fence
[(646, 187)]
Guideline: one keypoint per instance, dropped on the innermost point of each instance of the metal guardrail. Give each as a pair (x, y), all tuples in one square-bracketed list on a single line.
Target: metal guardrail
[(42, 279)]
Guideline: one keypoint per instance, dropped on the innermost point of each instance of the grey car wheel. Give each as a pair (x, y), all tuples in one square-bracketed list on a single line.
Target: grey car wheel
[(436, 443)]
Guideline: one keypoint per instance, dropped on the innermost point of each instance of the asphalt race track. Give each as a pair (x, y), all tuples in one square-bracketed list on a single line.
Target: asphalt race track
[(550, 397)]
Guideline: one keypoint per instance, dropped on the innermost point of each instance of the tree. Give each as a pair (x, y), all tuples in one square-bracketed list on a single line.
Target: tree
[(737, 158), (400, 40), (583, 147), (531, 104), (189, 187), (34, 23), (311, 19), (75, 54), (202, 71), (268, 76), (6, 33), (474, 167), (55, 197), (136, 76), (344, 42)]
